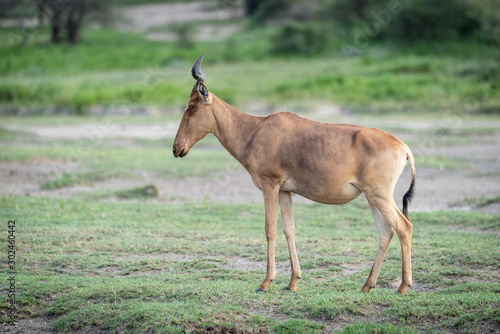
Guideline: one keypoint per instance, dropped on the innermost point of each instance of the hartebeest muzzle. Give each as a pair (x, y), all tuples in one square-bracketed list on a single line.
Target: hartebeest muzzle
[(178, 151)]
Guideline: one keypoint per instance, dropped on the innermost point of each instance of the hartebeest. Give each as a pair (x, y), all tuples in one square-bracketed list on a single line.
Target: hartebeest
[(327, 163)]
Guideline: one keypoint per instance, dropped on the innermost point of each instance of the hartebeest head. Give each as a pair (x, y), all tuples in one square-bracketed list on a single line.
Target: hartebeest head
[(198, 119)]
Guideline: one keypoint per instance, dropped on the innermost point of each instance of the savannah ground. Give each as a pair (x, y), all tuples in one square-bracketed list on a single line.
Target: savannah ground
[(115, 235)]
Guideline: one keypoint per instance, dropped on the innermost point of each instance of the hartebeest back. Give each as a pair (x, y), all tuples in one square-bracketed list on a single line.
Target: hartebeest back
[(327, 163)]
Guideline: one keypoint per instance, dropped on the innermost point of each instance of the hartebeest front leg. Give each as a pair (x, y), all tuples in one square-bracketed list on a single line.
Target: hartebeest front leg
[(286, 206), (270, 192)]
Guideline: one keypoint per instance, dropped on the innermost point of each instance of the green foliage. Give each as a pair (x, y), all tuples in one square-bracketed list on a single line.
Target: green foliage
[(297, 38), (405, 21), (265, 9), (144, 2), (184, 34), (422, 19), (116, 69)]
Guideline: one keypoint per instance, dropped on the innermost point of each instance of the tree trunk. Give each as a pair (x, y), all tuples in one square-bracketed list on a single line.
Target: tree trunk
[(56, 26), (251, 6), (74, 24)]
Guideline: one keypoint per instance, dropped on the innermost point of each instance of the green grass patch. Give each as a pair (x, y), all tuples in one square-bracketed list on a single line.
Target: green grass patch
[(360, 327), (487, 201), (11, 136), (480, 202), (148, 191), (104, 161), (85, 178), (443, 163), (115, 68), (95, 266)]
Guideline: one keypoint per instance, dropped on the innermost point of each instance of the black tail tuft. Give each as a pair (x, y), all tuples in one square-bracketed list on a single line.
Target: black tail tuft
[(408, 197)]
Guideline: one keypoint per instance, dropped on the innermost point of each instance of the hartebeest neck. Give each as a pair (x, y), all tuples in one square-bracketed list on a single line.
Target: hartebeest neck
[(233, 128)]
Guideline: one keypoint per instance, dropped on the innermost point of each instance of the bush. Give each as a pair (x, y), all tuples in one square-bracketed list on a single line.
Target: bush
[(407, 20), (424, 19), (297, 38), (265, 9)]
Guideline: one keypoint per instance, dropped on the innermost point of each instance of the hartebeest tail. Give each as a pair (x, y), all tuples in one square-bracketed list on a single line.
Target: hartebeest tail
[(408, 196), (285, 153)]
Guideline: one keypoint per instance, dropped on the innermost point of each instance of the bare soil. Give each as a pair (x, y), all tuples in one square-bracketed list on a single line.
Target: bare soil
[(29, 325)]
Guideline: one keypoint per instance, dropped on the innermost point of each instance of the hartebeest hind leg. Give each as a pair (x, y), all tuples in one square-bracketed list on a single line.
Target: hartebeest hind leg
[(385, 233), (270, 192), (286, 206), (389, 219)]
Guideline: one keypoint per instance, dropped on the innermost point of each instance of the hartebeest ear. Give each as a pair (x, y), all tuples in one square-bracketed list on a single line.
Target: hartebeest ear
[(202, 91)]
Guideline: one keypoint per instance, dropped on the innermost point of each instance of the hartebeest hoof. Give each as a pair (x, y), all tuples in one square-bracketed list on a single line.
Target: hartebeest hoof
[(292, 286), (366, 288), (402, 289), (265, 285)]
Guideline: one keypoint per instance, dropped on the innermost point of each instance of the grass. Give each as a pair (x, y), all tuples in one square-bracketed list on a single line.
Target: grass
[(148, 191), (85, 178), (167, 268), (487, 201), (480, 202), (442, 163), (105, 160), (112, 68)]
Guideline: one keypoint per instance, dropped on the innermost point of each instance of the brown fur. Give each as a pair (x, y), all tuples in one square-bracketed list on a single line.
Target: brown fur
[(327, 163)]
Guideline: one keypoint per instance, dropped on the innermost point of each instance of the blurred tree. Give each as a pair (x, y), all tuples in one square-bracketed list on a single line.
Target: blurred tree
[(300, 38), (487, 12), (423, 19), (264, 9), (16, 9), (347, 12), (6, 6), (70, 13), (411, 19), (185, 33)]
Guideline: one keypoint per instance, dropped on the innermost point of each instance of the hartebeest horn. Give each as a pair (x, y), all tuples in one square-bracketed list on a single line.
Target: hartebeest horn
[(196, 72)]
